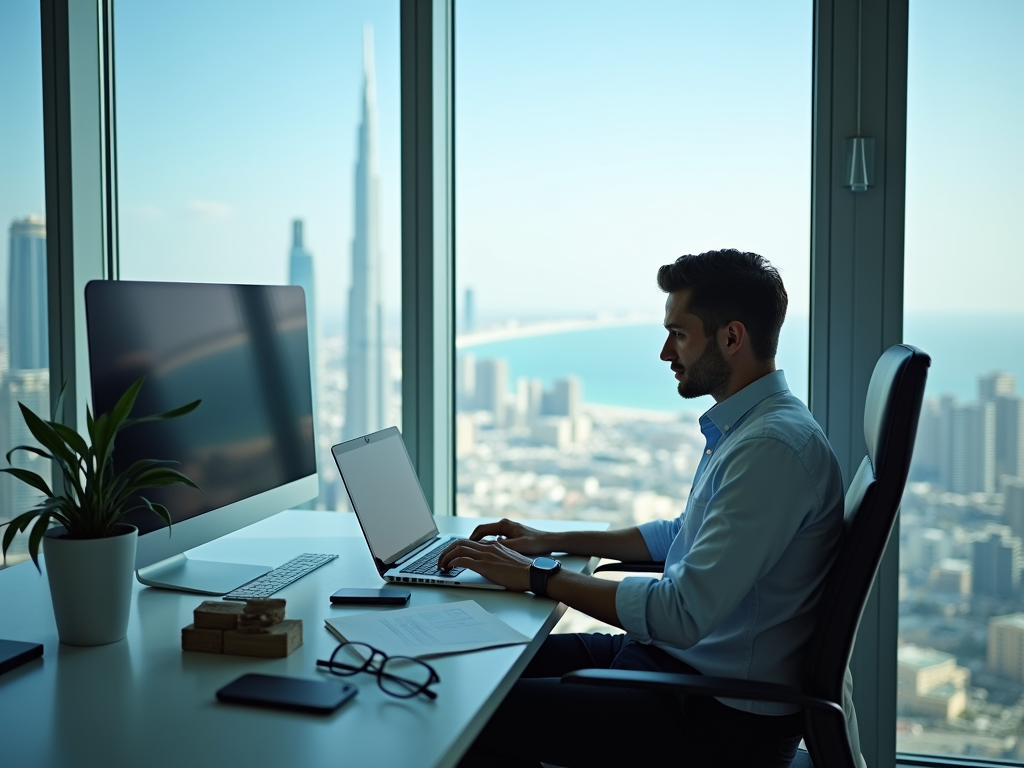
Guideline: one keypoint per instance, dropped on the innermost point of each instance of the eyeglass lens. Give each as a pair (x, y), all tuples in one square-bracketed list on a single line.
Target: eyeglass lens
[(397, 675)]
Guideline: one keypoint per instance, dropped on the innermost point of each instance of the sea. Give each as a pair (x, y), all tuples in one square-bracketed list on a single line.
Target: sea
[(619, 365)]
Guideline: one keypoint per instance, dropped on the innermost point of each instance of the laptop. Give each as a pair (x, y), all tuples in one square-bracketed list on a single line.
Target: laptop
[(393, 512)]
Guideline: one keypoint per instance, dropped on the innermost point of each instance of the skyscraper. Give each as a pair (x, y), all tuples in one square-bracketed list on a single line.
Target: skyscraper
[(996, 564), (27, 326), (31, 387), (469, 312), (492, 388), (1000, 390), (28, 380), (300, 273), (366, 395)]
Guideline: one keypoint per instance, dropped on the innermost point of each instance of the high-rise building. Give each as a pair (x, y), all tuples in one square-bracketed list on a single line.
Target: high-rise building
[(565, 398), (492, 388), (469, 312), (1013, 504), (999, 390), (366, 367), (1006, 646), (996, 384), (300, 273), (996, 564), (926, 464), (465, 382), (31, 387), (28, 347), (972, 467)]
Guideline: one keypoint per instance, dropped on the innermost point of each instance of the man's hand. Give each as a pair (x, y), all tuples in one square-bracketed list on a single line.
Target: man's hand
[(517, 537), (491, 559)]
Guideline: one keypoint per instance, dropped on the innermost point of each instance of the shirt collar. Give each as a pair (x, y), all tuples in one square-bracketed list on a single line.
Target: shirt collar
[(726, 414)]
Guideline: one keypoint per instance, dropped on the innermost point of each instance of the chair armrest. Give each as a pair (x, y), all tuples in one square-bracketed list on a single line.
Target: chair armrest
[(725, 687), (632, 567)]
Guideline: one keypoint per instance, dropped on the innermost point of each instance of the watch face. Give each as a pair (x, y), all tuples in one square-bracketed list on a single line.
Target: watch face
[(546, 563)]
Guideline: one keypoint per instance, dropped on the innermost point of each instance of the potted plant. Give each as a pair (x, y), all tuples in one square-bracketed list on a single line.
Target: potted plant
[(89, 552)]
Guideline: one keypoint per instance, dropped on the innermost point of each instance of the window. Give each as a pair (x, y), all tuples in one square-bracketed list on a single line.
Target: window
[(24, 342), (262, 146), (961, 618), (595, 142)]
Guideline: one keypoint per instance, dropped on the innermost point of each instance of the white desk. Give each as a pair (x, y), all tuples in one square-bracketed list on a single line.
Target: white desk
[(144, 702)]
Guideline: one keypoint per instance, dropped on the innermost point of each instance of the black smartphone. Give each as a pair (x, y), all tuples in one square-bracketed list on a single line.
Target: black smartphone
[(318, 696), (383, 596)]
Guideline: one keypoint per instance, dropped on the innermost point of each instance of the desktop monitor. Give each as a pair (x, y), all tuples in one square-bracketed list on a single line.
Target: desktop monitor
[(244, 351)]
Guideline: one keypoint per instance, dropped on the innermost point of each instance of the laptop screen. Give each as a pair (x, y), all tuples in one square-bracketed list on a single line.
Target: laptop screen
[(385, 493)]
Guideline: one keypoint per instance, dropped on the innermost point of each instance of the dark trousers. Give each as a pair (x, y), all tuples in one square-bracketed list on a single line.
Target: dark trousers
[(577, 726)]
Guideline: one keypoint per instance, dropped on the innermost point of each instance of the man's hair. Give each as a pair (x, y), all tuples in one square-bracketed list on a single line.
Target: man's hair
[(731, 285)]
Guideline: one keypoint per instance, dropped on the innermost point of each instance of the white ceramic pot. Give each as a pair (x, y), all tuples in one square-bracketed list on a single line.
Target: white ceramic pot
[(91, 584)]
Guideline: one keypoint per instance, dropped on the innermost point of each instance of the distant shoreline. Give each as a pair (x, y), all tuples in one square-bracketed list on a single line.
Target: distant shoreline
[(513, 330)]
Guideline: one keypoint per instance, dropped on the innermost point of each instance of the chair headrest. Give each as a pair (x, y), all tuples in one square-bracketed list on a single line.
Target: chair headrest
[(897, 385)]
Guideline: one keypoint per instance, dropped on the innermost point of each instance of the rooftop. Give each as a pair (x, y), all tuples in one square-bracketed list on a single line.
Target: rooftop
[(916, 656)]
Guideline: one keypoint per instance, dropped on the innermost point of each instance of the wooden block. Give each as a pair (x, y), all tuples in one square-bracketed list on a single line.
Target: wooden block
[(217, 614), (277, 641), (255, 624), (195, 638), (270, 611)]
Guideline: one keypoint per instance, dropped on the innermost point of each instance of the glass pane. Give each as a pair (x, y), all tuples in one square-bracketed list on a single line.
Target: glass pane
[(597, 141), (24, 343), (960, 654), (256, 146)]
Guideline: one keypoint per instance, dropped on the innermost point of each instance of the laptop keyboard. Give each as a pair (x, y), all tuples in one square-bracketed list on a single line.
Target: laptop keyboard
[(427, 564)]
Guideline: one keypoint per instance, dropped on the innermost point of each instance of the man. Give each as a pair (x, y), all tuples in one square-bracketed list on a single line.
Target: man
[(744, 564)]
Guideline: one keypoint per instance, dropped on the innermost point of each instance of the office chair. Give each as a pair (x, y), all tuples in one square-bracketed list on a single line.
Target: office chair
[(891, 413)]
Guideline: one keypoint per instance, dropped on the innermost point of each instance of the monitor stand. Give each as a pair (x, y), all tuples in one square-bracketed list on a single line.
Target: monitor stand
[(204, 577)]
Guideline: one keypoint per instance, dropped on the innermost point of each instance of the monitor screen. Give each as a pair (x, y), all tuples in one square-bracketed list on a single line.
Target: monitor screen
[(241, 349)]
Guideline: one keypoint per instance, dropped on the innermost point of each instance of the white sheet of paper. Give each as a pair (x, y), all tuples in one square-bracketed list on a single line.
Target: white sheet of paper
[(427, 630)]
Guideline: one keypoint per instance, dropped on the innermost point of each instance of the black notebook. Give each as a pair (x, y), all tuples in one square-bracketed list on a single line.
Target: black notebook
[(14, 653)]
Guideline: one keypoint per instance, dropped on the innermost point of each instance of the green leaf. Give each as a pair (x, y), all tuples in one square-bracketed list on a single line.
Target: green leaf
[(172, 414), (161, 476), (58, 405), (124, 405), (30, 449), (160, 510), (36, 537), (46, 435), (16, 526), (72, 438), (90, 425), (29, 478)]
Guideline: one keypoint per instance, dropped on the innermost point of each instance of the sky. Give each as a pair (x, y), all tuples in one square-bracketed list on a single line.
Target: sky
[(594, 141)]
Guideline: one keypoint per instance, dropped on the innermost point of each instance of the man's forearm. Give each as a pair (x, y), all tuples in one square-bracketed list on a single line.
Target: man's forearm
[(623, 544), (592, 596)]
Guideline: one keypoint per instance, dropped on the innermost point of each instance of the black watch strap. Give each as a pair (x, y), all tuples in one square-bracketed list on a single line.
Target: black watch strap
[(540, 571)]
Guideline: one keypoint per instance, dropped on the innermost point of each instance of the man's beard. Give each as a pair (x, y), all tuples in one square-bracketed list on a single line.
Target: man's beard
[(707, 375)]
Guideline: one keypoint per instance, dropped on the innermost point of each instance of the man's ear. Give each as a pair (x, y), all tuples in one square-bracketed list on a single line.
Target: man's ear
[(733, 337)]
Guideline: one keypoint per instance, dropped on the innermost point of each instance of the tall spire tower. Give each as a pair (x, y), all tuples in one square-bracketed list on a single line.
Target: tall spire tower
[(365, 400), (300, 273)]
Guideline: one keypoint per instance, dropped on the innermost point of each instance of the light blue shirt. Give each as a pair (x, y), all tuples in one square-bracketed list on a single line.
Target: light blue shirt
[(746, 561)]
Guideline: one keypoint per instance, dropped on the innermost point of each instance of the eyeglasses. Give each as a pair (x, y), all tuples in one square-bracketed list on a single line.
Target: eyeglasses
[(399, 676)]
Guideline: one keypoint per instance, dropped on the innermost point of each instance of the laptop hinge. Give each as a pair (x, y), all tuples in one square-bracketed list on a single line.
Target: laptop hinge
[(406, 557)]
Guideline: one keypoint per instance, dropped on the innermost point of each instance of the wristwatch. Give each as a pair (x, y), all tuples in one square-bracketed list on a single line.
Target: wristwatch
[(540, 571)]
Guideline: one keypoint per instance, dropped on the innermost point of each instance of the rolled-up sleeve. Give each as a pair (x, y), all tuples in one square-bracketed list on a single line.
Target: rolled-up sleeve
[(631, 606), (744, 527), (659, 535)]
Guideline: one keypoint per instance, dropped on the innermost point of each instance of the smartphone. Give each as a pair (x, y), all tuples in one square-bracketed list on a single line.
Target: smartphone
[(383, 596), (318, 696)]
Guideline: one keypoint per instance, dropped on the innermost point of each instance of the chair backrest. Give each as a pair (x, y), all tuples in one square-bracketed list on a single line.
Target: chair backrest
[(891, 413)]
